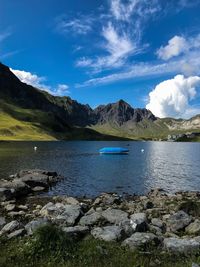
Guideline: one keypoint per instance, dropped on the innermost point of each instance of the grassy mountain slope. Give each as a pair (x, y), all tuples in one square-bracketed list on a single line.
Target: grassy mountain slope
[(27, 113)]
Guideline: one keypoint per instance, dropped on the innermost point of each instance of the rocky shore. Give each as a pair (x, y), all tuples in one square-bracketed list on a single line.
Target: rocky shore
[(159, 220)]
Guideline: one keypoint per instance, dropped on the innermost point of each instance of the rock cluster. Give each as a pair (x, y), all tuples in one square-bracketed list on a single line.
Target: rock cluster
[(157, 220), (26, 182)]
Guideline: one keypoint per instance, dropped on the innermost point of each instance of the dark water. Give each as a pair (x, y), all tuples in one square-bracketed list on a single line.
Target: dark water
[(171, 166)]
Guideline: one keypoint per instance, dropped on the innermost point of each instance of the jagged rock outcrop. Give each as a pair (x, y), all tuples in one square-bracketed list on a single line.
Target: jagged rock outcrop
[(121, 112)]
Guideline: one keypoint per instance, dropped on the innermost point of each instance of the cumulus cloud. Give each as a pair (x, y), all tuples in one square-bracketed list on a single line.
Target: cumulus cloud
[(171, 98), (178, 45), (175, 47), (39, 82), (29, 78)]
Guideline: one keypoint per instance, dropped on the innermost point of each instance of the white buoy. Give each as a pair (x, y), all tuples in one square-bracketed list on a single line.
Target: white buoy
[(35, 148), (142, 150)]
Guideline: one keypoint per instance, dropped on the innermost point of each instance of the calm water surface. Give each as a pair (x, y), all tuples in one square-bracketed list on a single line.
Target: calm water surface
[(171, 166)]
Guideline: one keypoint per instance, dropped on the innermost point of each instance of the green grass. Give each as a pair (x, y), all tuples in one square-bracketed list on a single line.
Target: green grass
[(13, 129), (19, 124), (51, 247)]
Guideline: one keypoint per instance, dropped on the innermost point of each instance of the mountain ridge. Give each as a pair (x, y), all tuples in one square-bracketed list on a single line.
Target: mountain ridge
[(65, 118)]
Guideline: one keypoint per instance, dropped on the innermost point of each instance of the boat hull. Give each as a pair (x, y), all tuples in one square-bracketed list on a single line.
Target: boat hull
[(113, 151)]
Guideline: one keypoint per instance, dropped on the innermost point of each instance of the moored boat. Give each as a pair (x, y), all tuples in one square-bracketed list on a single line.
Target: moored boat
[(113, 150)]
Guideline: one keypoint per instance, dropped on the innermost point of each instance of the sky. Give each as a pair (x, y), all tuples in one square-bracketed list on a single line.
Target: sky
[(100, 51)]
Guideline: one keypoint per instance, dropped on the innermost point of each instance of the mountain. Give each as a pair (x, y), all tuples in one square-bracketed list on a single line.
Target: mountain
[(28, 113), (120, 113)]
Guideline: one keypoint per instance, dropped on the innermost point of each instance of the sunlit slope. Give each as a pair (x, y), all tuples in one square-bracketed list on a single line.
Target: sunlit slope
[(12, 128)]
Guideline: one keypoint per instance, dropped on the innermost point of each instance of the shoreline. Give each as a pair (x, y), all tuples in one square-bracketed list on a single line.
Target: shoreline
[(158, 221)]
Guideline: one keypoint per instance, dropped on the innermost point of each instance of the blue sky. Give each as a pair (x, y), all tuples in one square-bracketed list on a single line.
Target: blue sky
[(102, 51)]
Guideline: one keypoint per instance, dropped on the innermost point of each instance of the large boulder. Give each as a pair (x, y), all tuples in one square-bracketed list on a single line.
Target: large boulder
[(62, 213), (184, 246), (91, 219), (35, 178), (25, 182), (115, 216), (107, 233), (178, 221), (139, 222), (141, 241)]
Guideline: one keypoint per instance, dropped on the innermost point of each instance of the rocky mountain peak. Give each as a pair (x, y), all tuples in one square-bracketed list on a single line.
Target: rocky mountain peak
[(121, 112)]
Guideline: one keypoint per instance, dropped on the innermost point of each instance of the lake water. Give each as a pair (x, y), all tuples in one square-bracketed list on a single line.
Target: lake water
[(171, 166)]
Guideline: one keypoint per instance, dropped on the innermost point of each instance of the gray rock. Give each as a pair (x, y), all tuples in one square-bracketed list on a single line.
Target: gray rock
[(195, 265), (16, 233), (35, 180), (76, 230), (91, 219), (178, 245), (41, 178), (10, 207), (107, 199), (178, 221), (10, 227), (155, 230), (107, 233), (193, 228), (22, 207), (38, 188), (141, 241), (70, 215), (20, 188), (115, 216), (127, 227), (139, 222), (157, 226), (71, 201), (2, 222), (16, 213), (62, 213), (157, 222), (35, 224)]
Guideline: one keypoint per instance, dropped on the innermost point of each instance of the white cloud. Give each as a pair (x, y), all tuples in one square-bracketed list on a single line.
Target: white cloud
[(38, 82), (29, 78), (84, 62), (124, 11), (62, 89), (81, 25), (178, 45), (188, 65), (117, 46), (175, 47), (171, 98)]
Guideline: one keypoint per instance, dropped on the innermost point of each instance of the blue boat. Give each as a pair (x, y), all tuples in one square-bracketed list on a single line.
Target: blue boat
[(113, 150)]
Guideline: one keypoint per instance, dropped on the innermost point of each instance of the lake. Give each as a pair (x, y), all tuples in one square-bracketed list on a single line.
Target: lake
[(171, 166)]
